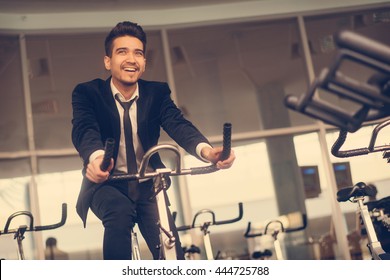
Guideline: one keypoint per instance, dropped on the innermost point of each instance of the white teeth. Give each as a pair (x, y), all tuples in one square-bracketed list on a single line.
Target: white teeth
[(129, 69)]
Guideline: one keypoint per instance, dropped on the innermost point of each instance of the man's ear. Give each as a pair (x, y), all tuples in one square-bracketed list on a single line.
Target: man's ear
[(107, 63)]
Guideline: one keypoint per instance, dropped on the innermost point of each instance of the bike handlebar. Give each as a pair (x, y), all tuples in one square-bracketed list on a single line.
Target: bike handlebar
[(142, 174), (227, 133), (294, 224), (31, 227), (108, 154), (213, 220), (361, 151)]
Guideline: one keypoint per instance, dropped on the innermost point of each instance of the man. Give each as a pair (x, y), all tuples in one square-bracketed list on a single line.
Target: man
[(52, 252), (100, 111)]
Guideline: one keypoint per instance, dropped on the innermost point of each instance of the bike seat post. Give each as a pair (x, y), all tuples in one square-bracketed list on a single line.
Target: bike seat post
[(135, 252), (19, 236), (207, 245), (277, 246), (373, 243)]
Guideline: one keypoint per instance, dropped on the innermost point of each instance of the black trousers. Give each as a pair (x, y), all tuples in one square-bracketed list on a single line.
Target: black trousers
[(119, 211)]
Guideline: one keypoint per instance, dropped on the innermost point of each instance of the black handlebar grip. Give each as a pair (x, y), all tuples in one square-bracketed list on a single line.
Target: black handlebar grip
[(227, 137), (64, 215), (247, 233), (230, 221), (108, 153), (203, 170), (183, 228), (335, 150)]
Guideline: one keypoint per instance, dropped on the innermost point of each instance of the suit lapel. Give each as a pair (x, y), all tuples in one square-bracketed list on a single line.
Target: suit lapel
[(114, 114), (140, 103), (140, 110)]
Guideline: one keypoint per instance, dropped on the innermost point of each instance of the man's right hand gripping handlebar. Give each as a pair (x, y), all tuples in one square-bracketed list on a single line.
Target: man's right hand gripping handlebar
[(99, 169), (223, 157)]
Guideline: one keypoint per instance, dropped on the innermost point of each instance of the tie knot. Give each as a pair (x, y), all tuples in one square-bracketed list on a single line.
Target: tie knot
[(126, 105)]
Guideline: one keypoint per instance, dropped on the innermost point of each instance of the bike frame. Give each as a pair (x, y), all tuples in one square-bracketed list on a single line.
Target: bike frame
[(374, 245), (357, 193)]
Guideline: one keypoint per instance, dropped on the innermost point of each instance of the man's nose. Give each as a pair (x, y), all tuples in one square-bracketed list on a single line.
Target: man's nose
[(130, 57)]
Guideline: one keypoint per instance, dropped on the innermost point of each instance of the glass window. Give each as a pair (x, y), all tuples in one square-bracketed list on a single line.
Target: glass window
[(13, 168), (13, 135), (155, 63), (55, 164), (56, 64), (238, 73)]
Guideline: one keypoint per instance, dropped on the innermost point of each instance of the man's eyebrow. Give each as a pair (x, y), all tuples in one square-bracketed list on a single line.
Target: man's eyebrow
[(121, 49), (127, 49)]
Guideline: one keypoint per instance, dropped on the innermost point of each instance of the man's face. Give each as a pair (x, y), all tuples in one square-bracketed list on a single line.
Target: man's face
[(127, 62)]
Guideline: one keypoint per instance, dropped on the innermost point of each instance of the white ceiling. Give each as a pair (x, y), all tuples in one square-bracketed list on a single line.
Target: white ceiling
[(53, 6), (40, 16)]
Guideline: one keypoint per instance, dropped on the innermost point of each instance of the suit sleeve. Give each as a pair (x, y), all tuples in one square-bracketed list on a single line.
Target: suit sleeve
[(181, 130), (86, 135)]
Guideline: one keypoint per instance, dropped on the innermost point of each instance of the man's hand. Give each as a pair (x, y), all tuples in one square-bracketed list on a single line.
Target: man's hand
[(214, 155), (95, 174)]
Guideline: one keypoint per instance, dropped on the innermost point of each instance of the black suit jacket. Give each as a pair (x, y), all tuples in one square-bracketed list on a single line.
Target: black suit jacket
[(96, 118)]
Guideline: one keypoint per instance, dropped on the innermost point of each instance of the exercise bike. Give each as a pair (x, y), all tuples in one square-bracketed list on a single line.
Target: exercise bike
[(21, 230), (204, 228), (356, 194), (270, 233), (371, 101), (161, 185)]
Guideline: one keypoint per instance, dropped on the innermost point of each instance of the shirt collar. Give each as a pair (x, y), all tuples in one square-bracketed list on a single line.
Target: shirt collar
[(115, 91)]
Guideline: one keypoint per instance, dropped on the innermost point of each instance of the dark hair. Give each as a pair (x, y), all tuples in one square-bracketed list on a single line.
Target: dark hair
[(51, 241), (125, 28)]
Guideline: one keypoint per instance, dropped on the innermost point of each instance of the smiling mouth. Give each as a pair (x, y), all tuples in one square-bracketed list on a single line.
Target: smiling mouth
[(130, 69)]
